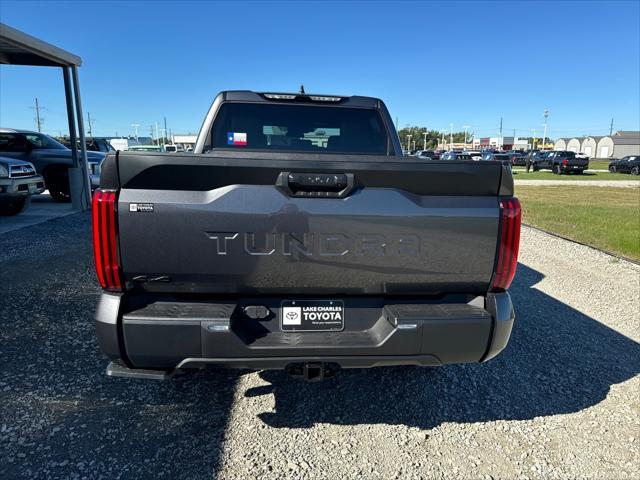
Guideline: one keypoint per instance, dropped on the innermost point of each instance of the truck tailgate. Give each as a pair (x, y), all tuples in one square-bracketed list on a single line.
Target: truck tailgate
[(213, 224)]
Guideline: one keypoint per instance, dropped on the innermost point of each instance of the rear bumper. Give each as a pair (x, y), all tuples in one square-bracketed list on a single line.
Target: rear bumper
[(170, 335)]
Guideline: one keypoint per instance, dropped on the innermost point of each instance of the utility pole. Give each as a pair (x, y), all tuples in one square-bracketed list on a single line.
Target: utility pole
[(466, 127), (544, 135), (533, 141), (135, 127), (409, 143), (89, 125), (451, 136), (442, 139), (610, 128), (424, 146), (501, 139), (165, 130), (157, 135), (39, 121)]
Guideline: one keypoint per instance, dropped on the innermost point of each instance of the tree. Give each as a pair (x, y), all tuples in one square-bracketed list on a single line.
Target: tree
[(433, 137)]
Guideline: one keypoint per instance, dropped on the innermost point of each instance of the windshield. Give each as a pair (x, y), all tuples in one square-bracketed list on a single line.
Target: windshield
[(307, 128), (38, 140)]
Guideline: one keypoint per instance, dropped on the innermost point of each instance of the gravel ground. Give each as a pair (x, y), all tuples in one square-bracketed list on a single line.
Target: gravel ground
[(562, 401), (587, 183)]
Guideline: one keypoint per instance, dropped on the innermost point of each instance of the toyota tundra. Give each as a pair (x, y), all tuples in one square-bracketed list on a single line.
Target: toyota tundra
[(297, 236)]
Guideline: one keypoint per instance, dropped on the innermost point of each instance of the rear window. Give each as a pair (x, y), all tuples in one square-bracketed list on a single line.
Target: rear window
[(306, 128)]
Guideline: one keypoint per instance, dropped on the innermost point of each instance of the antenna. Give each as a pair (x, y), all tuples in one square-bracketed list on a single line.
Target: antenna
[(301, 90)]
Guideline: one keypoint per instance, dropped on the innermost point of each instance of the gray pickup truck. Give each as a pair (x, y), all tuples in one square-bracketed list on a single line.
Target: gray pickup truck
[(298, 237)]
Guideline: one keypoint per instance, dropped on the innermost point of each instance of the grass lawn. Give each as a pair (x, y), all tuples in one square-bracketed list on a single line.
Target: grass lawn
[(599, 164), (521, 174), (603, 217)]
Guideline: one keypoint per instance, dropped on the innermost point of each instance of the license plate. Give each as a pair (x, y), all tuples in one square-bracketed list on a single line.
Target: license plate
[(312, 315), (33, 187)]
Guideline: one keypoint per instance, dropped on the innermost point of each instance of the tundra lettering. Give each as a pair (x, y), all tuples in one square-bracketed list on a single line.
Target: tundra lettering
[(319, 244)]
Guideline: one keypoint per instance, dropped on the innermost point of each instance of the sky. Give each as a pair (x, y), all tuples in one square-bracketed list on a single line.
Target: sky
[(433, 63)]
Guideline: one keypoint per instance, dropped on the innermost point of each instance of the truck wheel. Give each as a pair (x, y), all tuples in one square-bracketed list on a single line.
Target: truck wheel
[(536, 168), (635, 171), (557, 170), (612, 169), (14, 205), (57, 182)]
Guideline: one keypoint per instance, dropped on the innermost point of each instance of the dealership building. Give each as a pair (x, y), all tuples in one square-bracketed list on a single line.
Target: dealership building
[(618, 145)]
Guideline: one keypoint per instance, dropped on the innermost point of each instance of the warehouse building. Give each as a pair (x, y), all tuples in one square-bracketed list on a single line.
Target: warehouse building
[(590, 146), (575, 144), (626, 143), (618, 145)]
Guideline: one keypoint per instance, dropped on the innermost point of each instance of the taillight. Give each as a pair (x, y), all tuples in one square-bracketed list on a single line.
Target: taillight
[(105, 251), (564, 162), (510, 214)]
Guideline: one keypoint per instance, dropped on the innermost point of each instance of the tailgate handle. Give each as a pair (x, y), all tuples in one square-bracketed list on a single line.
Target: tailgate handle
[(308, 184)]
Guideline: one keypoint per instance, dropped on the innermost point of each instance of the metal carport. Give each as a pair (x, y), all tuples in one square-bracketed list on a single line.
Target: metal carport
[(18, 48)]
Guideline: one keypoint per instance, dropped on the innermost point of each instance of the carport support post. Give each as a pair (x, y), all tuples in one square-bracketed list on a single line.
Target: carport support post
[(84, 164), (75, 181)]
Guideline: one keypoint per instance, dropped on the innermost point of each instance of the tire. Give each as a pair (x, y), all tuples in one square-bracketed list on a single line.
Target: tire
[(14, 205), (57, 182), (557, 170), (612, 169), (579, 172), (635, 170), (536, 168)]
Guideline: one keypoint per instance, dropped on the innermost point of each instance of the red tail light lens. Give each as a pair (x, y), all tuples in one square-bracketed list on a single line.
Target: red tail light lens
[(564, 162), (105, 252), (509, 244)]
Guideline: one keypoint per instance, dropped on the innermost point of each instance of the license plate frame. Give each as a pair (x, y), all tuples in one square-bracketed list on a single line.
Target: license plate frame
[(312, 315)]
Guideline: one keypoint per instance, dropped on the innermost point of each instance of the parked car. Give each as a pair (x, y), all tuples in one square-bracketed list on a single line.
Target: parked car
[(18, 181), (453, 155), (629, 164), (50, 158), (517, 157), (173, 148), (503, 158), (99, 144), (93, 144), (426, 154), (475, 155), (275, 251), (560, 161), (146, 148)]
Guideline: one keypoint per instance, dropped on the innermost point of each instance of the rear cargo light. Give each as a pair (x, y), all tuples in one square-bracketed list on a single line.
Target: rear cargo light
[(105, 251), (510, 213)]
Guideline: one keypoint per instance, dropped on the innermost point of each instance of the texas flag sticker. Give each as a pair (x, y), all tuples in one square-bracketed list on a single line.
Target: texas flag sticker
[(236, 138)]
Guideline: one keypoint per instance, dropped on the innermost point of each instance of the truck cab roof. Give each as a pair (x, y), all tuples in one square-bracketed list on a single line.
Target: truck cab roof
[(290, 97)]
